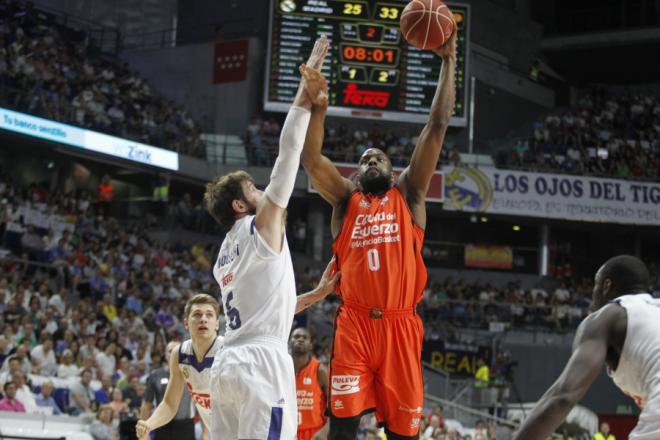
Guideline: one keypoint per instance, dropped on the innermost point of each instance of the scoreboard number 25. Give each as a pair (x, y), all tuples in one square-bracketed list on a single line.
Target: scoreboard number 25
[(352, 9)]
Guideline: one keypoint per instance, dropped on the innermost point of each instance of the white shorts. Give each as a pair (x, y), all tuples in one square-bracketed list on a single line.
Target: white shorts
[(253, 393)]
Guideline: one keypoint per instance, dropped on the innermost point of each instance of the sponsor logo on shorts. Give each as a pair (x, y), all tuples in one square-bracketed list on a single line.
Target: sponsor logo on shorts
[(415, 422), (307, 381), (417, 410), (339, 404), (345, 385), (185, 372)]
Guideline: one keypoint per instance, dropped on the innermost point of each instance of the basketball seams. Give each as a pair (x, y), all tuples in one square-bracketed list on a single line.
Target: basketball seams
[(428, 30), (444, 21)]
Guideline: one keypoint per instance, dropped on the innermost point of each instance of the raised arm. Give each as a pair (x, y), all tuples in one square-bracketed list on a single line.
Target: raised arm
[(415, 179), (333, 187), (167, 409), (271, 207), (589, 353)]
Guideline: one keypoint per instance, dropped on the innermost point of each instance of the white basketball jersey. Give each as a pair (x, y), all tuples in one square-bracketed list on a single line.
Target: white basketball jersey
[(638, 372), (257, 284), (198, 376)]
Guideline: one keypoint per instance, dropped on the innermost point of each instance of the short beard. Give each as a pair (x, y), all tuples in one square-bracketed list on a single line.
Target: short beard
[(375, 185)]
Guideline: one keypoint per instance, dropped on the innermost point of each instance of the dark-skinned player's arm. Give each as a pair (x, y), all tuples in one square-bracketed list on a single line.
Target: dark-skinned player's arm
[(333, 187), (414, 181), (589, 354)]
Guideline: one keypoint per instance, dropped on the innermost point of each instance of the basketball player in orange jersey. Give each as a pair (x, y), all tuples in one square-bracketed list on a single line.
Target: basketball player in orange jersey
[(311, 387), (378, 225)]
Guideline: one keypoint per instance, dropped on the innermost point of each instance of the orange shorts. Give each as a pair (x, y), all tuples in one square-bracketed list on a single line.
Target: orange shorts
[(307, 434), (376, 365)]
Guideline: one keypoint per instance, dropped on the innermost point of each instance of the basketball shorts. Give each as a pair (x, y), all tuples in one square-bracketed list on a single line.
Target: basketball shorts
[(376, 365), (253, 392), (307, 434)]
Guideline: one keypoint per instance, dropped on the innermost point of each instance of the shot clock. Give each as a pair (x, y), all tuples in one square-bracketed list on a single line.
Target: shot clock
[(372, 71)]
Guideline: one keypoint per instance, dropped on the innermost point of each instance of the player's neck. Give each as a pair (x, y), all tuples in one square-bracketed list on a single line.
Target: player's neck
[(300, 360), (202, 345)]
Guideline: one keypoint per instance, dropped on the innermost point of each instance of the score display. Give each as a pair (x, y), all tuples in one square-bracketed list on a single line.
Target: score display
[(372, 71)]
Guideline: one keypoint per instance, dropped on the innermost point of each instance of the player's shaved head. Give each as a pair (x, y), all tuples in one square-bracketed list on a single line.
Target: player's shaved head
[(620, 275)]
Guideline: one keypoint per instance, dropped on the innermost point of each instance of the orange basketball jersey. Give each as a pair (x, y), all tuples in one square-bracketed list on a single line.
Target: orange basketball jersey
[(310, 397), (379, 252)]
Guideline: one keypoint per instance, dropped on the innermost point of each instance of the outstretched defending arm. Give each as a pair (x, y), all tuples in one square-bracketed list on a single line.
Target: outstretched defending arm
[(324, 288), (167, 409), (415, 179), (589, 354), (270, 210)]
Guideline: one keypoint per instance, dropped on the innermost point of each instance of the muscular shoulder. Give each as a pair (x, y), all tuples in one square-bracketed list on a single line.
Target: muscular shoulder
[(606, 323)]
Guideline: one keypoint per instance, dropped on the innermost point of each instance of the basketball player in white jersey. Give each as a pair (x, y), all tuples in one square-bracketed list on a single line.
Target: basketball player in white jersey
[(253, 376), (190, 365), (622, 332)]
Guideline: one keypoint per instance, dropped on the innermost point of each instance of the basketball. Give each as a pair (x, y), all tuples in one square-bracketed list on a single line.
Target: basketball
[(427, 24)]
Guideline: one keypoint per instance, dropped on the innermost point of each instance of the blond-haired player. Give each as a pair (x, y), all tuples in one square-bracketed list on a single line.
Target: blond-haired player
[(190, 365)]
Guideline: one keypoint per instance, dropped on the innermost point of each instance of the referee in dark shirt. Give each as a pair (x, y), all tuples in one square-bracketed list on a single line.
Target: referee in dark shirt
[(182, 426)]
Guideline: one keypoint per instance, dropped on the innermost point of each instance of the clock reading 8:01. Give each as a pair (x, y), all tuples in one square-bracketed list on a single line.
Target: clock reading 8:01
[(368, 54)]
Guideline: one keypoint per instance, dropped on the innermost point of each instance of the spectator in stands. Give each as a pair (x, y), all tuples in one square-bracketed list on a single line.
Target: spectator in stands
[(106, 360), (104, 427), (118, 403), (45, 398), (66, 368), (83, 398), (43, 357), (604, 433), (9, 402), (23, 392), (104, 394), (482, 375)]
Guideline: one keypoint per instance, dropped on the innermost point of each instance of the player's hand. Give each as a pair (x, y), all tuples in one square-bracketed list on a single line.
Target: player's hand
[(316, 87), (328, 280), (448, 50), (319, 52), (142, 429)]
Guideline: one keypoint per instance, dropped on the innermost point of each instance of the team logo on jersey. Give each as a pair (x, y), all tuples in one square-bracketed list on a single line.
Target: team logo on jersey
[(345, 384), (365, 204), (227, 279), (307, 381), (185, 372)]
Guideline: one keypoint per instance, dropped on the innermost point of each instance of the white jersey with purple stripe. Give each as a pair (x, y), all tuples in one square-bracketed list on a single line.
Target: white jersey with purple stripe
[(257, 284), (253, 373), (638, 372), (198, 376)]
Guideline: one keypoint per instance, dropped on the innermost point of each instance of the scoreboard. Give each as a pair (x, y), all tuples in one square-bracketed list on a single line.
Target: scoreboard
[(372, 71)]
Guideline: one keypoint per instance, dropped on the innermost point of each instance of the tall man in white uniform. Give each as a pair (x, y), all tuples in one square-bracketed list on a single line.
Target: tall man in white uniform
[(622, 332), (253, 391)]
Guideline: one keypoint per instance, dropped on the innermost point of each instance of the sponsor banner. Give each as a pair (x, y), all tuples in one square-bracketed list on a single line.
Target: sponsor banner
[(488, 257), (558, 196), (87, 140), (456, 359), (436, 191)]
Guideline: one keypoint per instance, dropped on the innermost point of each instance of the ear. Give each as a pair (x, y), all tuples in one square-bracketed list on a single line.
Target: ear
[(238, 206), (185, 323), (607, 288)]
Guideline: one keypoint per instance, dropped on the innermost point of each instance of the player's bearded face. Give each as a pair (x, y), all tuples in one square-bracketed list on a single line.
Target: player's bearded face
[(375, 172)]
